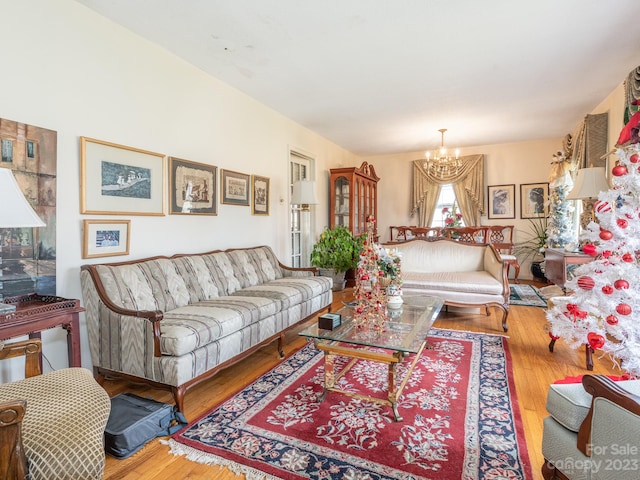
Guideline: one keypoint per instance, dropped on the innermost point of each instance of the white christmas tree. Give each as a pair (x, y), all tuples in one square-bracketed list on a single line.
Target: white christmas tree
[(604, 310), (560, 231)]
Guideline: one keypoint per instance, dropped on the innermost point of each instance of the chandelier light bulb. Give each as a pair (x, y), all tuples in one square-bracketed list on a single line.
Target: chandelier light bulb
[(442, 164)]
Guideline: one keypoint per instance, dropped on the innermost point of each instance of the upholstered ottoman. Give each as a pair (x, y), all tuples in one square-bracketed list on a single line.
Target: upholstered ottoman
[(63, 427)]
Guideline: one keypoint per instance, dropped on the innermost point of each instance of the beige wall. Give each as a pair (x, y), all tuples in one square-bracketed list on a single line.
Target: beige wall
[(70, 70)]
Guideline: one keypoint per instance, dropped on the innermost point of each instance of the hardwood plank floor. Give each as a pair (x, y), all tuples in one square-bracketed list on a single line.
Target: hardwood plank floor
[(534, 369)]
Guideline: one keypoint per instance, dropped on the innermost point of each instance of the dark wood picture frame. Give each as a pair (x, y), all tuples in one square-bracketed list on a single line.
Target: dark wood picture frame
[(534, 200), (501, 201)]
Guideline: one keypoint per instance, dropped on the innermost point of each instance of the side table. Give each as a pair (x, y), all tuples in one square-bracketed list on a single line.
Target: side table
[(35, 313)]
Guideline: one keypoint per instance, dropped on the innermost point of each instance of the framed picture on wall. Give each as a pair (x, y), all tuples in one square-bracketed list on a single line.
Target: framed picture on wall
[(534, 200), (501, 201), (236, 188), (105, 238), (260, 193), (115, 179), (192, 188)]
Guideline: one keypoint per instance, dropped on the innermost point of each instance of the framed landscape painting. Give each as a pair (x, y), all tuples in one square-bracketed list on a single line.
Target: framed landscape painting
[(260, 193), (236, 188), (502, 201), (192, 188), (116, 179), (534, 200)]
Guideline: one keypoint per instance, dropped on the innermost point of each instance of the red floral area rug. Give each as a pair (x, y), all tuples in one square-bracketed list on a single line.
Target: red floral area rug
[(460, 419)]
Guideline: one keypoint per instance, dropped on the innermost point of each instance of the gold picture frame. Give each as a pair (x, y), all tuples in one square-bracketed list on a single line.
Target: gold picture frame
[(116, 179), (260, 195), (235, 188), (192, 188), (105, 238)]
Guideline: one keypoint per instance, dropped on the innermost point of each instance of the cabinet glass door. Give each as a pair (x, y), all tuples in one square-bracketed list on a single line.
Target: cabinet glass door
[(341, 213)]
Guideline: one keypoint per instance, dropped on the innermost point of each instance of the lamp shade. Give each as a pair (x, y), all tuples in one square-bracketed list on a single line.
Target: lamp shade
[(589, 183), (304, 193), (15, 211)]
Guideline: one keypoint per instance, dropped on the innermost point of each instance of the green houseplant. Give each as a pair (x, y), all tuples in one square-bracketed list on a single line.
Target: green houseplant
[(532, 249), (335, 252)]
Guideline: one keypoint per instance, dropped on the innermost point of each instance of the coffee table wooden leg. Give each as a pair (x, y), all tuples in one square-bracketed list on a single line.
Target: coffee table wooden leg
[(329, 374), (393, 391)]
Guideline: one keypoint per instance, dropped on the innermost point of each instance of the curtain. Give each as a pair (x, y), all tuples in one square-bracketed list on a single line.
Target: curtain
[(468, 185), (631, 93), (591, 141)]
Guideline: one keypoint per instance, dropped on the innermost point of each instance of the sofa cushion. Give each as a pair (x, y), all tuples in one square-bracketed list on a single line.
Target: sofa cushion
[(190, 327), (463, 282), (289, 291), (569, 403)]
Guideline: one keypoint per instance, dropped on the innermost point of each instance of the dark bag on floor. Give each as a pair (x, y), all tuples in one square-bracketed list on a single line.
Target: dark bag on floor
[(134, 421)]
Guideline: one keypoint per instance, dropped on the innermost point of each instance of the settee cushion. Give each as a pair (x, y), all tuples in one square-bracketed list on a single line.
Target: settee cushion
[(569, 403), (464, 282)]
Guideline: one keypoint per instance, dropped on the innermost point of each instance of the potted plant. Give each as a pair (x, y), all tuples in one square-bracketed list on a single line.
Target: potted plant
[(335, 252), (533, 248)]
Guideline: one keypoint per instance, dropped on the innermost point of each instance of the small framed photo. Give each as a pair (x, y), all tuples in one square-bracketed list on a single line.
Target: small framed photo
[(502, 201), (260, 193), (236, 188), (105, 238), (119, 180), (534, 200), (192, 188)]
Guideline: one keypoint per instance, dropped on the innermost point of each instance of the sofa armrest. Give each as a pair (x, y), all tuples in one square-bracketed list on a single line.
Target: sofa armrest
[(600, 386), (300, 271), (497, 267), (107, 308)]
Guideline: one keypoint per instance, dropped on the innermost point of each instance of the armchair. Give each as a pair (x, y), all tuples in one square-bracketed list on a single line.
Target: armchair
[(52, 424), (501, 237), (592, 431)]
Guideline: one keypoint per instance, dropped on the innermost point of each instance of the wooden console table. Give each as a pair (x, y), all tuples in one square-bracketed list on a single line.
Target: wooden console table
[(556, 261), (35, 313)]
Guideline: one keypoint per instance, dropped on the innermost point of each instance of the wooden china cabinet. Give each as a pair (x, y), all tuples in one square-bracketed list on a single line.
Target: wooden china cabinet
[(354, 196)]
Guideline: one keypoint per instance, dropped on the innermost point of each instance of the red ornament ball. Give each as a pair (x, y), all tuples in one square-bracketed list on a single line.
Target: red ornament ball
[(623, 309), (586, 283), (621, 284), (634, 158), (612, 320), (595, 340), (619, 170), (627, 257), (607, 289), (590, 249), (606, 235), (622, 223)]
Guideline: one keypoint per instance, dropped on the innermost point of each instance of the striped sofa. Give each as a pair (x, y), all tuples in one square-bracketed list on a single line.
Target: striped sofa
[(175, 321)]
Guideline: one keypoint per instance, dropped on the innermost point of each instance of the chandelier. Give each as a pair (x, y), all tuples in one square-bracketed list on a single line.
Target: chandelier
[(440, 163)]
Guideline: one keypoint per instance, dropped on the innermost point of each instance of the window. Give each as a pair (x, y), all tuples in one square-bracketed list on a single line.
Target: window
[(446, 200)]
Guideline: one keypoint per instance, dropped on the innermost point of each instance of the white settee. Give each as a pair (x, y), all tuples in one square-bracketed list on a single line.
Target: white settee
[(175, 321), (461, 274)]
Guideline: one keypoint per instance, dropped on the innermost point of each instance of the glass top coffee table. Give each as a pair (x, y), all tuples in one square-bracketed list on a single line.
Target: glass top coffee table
[(404, 333)]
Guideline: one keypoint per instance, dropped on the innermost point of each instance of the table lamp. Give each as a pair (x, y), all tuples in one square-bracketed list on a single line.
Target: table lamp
[(15, 212), (304, 193), (589, 183)]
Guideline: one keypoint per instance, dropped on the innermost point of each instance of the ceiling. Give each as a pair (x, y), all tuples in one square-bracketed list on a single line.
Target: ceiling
[(382, 76)]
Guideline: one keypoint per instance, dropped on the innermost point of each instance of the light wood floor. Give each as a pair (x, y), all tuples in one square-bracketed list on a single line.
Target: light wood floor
[(534, 369)]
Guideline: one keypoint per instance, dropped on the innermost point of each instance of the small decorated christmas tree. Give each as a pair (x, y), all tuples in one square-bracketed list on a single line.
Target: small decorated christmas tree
[(604, 310), (370, 296), (560, 231)]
